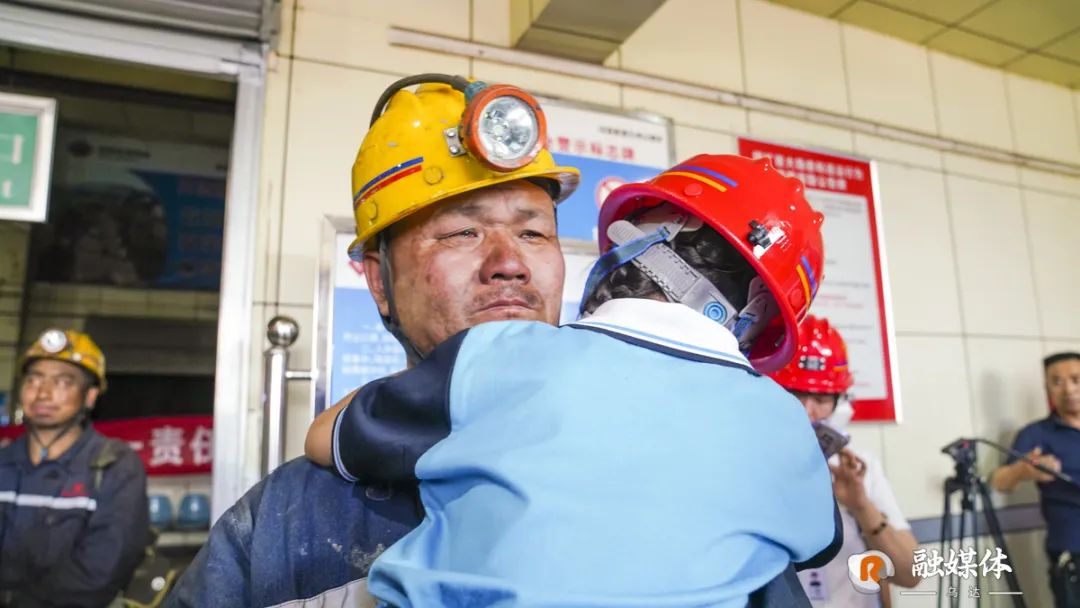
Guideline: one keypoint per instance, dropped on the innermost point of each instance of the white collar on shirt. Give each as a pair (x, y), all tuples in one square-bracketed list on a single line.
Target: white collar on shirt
[(666, 324)]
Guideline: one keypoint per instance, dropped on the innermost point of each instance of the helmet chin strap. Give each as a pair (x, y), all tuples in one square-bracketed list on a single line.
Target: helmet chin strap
[(391, 322), (644, 243), (78, 419)]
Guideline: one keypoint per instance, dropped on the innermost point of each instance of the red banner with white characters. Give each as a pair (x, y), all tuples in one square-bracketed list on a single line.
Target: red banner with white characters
[(854, 294), (168, 445)]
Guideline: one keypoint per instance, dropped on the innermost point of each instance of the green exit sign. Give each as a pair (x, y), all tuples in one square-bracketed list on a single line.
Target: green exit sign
[(27, 129)]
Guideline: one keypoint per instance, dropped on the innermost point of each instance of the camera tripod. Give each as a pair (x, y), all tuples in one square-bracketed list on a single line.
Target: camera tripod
[(971, 488)]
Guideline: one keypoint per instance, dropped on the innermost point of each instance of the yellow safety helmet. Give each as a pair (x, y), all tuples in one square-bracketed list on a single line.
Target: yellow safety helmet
[(449, 137), (69, 346)]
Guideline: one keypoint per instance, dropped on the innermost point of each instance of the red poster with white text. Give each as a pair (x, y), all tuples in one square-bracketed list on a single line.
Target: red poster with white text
[(854, 294), (167, 445)]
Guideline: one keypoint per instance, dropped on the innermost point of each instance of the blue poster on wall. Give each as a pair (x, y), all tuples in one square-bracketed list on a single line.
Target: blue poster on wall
[(360, 348), (610, 149), (577, 214), (194, 214)]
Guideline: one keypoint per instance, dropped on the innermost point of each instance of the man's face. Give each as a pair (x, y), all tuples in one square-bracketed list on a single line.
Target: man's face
[(487, 255), (818, 406), (1063, 387), (53, 392)]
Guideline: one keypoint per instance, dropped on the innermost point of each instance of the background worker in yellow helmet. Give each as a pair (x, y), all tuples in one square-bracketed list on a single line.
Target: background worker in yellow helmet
[(454, 198), (73, 512)]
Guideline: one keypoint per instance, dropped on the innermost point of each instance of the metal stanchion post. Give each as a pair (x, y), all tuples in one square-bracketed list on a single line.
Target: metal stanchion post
[(282, 333)]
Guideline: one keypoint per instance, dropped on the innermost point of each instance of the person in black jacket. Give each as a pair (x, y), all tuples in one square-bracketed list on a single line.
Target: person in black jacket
[(73, 512)]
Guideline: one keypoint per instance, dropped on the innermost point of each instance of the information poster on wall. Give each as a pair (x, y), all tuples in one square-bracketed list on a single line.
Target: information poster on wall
[(854, 295), (609, 147), (134, 213)]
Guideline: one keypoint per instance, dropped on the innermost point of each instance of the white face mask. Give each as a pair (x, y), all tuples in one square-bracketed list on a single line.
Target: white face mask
[(841, 416)]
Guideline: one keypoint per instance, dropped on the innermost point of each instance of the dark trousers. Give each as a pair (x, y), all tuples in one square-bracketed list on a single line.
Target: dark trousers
[(1065, 580), (784, 591)]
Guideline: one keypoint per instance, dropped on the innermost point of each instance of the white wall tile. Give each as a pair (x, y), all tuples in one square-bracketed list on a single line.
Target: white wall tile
[(985, 170), (686, 111), (917, 238), (285, 35), (888, 80), (996, 291), (690, 141), (326, 127), (970, 101), (707, 34), (1006, 389), (271, 180), (558, 85), (879, 148), (790, 131), (1007, 393), (491, 22), (1051, 346), (1076, 110), (446, 17), (1052, 222), (792, 56), (936, 410), (1053, 182), (1043, 119), (352, 37)]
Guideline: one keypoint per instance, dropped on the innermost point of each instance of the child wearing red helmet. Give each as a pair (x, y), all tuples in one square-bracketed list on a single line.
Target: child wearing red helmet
[(605, 463)]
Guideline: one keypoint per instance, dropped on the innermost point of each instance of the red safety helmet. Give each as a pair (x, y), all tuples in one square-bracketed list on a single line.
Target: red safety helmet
[(820, 364), (759, 211)]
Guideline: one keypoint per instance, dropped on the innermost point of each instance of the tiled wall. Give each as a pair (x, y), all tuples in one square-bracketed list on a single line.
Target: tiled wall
[(13, 243), (981, 255)]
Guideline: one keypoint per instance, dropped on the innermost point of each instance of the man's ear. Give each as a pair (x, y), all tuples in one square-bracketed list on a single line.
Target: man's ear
[(372, 272), (92, 394)]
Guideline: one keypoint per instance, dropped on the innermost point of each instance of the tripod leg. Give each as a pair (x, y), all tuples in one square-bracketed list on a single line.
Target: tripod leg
[(975, 538), (946, 532), (964, 510), (999, 538)]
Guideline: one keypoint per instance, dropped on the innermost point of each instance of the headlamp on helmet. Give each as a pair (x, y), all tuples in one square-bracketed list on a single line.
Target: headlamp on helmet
[(502, 127)]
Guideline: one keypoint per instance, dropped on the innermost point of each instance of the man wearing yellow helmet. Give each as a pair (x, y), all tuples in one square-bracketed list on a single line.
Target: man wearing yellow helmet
[(73, 512), (454, 198)]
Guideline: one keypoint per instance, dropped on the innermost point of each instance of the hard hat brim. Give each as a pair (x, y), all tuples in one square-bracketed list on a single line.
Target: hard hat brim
[(567, 178)]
